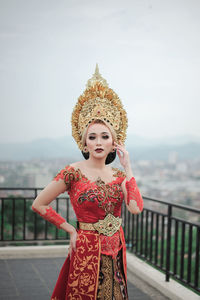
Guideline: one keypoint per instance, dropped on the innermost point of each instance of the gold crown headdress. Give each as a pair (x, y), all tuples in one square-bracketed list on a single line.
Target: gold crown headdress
[(98, 102)]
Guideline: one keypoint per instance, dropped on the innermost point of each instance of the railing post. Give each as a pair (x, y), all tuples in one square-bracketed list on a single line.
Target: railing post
[(35, 218), (2, 219), (168, 249)]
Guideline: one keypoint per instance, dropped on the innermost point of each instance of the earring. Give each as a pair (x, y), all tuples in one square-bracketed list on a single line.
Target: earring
[(85, 149)]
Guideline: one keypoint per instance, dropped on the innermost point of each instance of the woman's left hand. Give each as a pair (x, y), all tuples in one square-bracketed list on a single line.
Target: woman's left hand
[(123, 155)]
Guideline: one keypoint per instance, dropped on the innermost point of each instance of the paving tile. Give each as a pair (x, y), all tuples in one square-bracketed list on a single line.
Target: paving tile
[(35, 297), (34, 291), (136, 294), (4, 279), (11, 297), (29, 285), (36, 278), (5, 291)]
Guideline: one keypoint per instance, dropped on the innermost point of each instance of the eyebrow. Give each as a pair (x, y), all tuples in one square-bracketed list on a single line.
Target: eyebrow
[(101, 133)]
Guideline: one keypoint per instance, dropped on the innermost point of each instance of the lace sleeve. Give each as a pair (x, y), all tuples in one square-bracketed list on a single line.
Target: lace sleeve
[(68, 175)]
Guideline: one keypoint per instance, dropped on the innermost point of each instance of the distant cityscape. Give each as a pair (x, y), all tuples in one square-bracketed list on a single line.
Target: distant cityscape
[(174, 180), (167, 169)]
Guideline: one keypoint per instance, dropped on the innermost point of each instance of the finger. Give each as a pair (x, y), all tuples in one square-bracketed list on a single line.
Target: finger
[(119, 154), (120, 143), (121, 147), (70, 252), (121, 151), (116, 144), (74, 244)]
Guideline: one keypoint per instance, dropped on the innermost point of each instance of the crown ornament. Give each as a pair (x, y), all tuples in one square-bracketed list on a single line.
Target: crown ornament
[(96, 77), (100, 102)]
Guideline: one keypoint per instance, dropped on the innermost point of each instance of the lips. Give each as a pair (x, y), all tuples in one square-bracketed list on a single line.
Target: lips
[(98, 150)]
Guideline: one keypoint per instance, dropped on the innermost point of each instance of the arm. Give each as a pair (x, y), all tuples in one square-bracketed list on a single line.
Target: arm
[(41, 205), (132, 195)]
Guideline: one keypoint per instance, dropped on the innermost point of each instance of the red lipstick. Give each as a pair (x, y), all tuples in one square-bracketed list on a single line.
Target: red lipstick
[(99, 150)]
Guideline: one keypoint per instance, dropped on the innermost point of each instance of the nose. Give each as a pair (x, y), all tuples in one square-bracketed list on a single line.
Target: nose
[(98, 141)]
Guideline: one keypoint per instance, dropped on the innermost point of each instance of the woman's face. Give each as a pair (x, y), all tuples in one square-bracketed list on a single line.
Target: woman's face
[(99, 140)]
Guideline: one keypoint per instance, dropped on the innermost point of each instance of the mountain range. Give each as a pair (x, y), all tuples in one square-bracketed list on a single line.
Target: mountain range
[(186, 146)]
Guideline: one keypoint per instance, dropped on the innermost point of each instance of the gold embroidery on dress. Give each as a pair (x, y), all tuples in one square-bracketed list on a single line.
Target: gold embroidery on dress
[(69, 174), (105, 194), (105, 287), (82, 279), (111, 285), (118, 173)]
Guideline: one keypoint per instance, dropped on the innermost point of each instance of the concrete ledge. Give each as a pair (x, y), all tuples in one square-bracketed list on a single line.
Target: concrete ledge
[(33, 251), (172, 289)]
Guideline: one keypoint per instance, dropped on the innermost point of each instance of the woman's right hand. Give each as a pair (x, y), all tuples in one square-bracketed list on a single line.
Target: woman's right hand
[(73, 238)]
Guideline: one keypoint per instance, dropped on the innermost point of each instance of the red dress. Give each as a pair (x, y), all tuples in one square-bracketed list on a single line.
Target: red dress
[(97, 269)]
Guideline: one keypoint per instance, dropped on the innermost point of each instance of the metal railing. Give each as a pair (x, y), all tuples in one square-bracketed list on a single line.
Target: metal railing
[(19, 224), (161, 235), (164, 237)]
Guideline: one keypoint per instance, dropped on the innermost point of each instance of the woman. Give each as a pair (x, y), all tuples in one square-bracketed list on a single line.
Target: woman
[(96, 264)]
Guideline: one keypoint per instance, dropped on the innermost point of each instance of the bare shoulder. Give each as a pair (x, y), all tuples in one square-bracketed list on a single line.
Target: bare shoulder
[(76, 164)]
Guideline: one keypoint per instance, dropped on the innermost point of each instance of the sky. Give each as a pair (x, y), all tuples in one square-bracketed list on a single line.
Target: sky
[(147, 50)]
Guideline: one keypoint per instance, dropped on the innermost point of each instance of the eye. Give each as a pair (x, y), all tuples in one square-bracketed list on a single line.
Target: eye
[(91, 137), (105, 137)]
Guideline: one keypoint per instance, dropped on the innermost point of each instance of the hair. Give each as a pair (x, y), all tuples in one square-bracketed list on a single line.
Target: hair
[(111, 156)]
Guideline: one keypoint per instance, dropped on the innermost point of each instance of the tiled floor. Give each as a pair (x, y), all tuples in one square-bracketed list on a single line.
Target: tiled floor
[(34, 279)]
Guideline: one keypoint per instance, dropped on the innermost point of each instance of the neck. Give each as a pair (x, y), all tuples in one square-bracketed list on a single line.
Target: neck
[(96, 163)]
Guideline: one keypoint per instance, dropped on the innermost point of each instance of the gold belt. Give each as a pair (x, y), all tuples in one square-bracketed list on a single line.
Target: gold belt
[(108, 226)]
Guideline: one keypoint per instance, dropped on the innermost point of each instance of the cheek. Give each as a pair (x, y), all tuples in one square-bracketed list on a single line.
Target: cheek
[(109, 143), (90, 143)]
